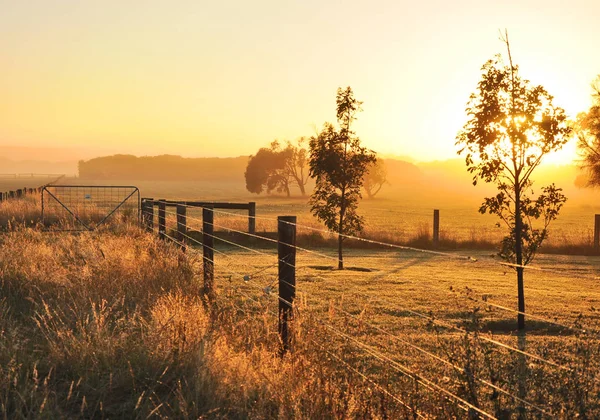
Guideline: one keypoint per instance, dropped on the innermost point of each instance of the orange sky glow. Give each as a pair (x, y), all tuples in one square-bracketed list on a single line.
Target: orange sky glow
[(201, 78)]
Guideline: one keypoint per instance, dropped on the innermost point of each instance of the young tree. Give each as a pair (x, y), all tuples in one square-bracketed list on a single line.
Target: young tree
[(338, 163), (588, 138), (375, 178), (512, 126), (276, 169)]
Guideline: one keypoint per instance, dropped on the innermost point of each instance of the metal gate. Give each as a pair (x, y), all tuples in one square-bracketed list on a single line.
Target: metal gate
[(87, 207)]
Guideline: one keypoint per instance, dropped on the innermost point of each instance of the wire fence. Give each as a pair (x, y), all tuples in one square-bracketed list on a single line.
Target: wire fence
[(182, 236), (198, 235), (20, 193)]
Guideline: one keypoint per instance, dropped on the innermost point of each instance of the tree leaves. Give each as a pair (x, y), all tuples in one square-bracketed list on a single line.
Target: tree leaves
[(588, 137), (511, 126), (338, 163)]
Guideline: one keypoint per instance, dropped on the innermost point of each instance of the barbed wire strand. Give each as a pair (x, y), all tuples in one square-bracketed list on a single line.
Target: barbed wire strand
[(409, 248), (264, 238), (411, 374), (452, 326), (440, 359), (586, 331), (259, 252), (371, 381), (495, 262)]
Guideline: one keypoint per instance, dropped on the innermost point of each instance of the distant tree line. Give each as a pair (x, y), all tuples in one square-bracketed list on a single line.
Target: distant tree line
[(277, 168), (337, 162), (162, 168), (280, 169)]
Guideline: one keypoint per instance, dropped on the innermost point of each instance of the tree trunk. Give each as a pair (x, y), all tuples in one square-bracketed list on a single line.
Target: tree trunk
[(519, 255), (302, 189), (340, 230), (340, 256), (373, 194)]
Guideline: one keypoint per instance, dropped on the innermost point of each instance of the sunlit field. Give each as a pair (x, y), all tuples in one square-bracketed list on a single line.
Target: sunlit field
[(399, 214), (112, 324)]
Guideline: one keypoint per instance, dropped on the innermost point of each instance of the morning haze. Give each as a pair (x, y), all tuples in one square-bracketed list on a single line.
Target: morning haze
[(221, 79), (299, 210)]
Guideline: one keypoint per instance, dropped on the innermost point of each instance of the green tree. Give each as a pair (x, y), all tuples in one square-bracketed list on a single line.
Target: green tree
[(588, 138), (338, 163), (375, 178), (277, 169), (512, 125)]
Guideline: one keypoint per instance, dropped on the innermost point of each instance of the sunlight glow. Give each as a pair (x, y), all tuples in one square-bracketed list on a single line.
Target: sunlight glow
[(221, 79)]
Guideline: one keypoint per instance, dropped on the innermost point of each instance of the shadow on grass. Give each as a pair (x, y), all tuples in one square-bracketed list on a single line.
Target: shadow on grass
[(332, 268), (532, 327)]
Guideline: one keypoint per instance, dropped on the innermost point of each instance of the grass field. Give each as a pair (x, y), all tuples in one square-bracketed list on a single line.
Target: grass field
[(400, 214), (111, 324)]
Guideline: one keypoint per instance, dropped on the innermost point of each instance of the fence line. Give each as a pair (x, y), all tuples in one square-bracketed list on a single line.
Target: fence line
[(401, 368), (398, 246), (452, 326), (472, 298), (432, 252), (286, 304), (27, 191)]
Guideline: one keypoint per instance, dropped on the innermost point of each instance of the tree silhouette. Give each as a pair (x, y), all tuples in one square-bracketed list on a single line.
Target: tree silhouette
[(588, 137), (296, 161), (338, 163), (375, 178), (512, 126), (277, 168), (264, 172)]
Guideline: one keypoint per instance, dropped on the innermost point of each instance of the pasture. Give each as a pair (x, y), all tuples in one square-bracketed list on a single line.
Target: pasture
[(400, 214), (111, 323)]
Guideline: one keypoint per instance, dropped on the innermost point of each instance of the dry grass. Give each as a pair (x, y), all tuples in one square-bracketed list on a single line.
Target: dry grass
[(26, 211), (111, 324)]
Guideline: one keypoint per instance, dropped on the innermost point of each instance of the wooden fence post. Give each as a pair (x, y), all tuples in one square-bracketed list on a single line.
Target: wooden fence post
[(207, 250), (436, 228), (181, 225), (148, 214), (597, 232), (252, 217), (162, 222), (286, 252)]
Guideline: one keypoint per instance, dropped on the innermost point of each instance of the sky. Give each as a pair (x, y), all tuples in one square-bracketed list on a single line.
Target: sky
[(224, 78)]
